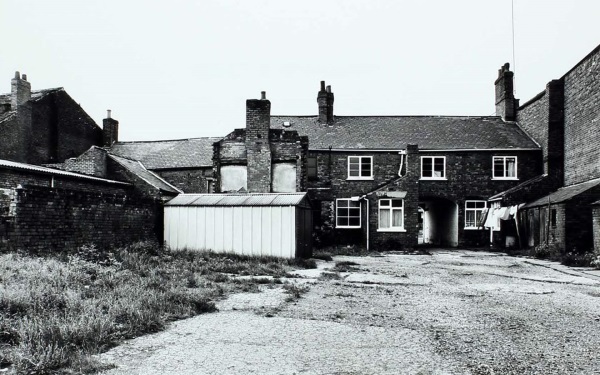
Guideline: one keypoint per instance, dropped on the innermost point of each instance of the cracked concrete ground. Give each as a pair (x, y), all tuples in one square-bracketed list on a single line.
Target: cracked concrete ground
[(454, 312)]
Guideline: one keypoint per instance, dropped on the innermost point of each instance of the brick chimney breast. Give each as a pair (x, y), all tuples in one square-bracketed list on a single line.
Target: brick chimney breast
[(20, 90), (506, 104), (258, 148), (325, 102), (110, 130)]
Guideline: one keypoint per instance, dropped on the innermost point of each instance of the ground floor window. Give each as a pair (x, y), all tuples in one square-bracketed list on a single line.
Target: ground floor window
[(391, 214), (347, 213), (473, 212)]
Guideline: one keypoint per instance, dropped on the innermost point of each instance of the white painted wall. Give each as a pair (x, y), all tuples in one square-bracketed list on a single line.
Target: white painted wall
[(284, 178), (234, 177), (247, 230)]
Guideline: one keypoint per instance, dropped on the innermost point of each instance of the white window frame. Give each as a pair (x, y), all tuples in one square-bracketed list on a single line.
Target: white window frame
[(494, 177), (360, 163), (389, 207), (337, 216), (432, 166), (474, 209)]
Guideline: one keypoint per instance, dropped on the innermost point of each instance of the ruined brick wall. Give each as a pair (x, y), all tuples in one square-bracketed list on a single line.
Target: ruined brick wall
[(596, 227), (190, 180), (49, 219), (582, 120)]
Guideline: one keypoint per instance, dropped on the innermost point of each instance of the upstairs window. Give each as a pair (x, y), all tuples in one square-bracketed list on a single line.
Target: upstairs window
[(311, 167), (360, 167), (433, 167), (347, 213), (505, 167), (473, 213), (391, 215)]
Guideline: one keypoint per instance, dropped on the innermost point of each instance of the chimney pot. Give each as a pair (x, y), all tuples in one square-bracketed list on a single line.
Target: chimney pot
[(263, 95), (322, 85), (329, 89), (24, 77), (17, 75), (108, 113)]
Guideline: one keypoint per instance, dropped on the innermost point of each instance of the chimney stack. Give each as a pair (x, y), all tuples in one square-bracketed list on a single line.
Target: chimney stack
[(325, 101), (20, 90), (258, 148), (110, 130), (506, 104)]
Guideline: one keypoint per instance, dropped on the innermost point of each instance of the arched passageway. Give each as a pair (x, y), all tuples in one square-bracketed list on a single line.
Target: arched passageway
[(438, 222)]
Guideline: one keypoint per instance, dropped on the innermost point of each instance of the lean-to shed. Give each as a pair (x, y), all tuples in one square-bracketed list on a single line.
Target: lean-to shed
[(269, 224)]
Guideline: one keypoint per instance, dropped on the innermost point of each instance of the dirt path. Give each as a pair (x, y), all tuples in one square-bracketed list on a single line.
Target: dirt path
[(450, 313)]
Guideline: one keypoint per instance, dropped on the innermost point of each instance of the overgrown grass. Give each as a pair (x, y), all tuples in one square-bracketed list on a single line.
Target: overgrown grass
[(56, 312)]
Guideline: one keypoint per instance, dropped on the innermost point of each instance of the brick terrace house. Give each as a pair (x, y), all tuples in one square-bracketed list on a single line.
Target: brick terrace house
[(399, 180), (565, 120)]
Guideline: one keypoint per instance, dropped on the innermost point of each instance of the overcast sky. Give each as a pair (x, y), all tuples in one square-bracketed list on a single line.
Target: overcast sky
[(183, 69)]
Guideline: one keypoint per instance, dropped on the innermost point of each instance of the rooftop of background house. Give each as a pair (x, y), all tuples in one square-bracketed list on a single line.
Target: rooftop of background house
[(180, 153), (140, 171), (395, 132)]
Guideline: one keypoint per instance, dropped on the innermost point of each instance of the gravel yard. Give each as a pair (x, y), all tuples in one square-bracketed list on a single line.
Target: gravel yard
[(454, 312)]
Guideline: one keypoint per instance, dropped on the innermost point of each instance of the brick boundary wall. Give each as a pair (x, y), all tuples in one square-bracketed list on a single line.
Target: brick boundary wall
[(41, 219)]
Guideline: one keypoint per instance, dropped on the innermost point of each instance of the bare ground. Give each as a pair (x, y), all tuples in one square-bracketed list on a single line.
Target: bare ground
[(454, 312)]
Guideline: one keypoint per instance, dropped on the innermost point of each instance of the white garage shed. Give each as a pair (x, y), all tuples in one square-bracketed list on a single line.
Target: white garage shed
[(250, 224)]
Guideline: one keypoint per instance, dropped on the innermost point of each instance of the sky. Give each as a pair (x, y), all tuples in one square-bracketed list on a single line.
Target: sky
[(184, 69)]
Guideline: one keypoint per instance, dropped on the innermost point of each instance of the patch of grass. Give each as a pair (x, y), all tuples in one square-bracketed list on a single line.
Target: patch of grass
[(56, 311), (323, 255), (345, 266), (329, 276), (295, 291)]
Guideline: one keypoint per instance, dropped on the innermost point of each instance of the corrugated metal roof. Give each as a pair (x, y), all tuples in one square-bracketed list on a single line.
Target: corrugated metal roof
[(265, 199), (564, 194), (51, 171)]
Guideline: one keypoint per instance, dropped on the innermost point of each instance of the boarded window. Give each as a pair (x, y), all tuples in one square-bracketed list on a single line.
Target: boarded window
[(284, 178), (312, 167), (234, 178)]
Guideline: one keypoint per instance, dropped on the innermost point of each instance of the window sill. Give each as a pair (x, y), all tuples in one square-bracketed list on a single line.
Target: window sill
[(392, 230), (474, 228), (360, 179), (348, 227), (505, 179), (434, 179)]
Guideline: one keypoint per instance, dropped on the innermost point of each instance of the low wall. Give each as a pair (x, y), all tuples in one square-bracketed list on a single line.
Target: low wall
[(41, 219)]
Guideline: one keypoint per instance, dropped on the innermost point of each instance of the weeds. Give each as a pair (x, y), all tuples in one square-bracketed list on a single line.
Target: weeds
[(345, 266), (294, 291), (57, 311)]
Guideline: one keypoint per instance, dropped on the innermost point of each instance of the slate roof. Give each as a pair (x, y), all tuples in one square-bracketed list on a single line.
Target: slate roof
[(256, 199), (139, 170), (564, 194), (181, 153), (395, 132), (35, 94)]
